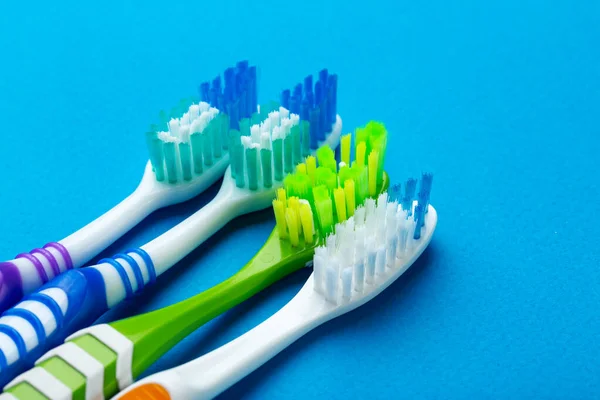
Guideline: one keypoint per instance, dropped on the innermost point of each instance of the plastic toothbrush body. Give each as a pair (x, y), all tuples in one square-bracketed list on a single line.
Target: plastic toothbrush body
[(166, 181)]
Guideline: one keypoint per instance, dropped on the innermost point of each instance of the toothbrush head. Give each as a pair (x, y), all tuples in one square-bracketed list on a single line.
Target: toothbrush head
[(371, 249), (192, 140)]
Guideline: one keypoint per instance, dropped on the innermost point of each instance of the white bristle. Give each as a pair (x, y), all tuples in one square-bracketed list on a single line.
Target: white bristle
[(174, 127), (265, 141), (277, 133), (194, 111), (246, 142), (184, 133), (274, 118), (203, 107), (363, 251), (295, 118), (184, 120), (286, 126), (266, 126), (283, 112), (255, 133), (213, 112)]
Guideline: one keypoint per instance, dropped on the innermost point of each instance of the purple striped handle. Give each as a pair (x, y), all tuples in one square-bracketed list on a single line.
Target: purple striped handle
[(13, 275)]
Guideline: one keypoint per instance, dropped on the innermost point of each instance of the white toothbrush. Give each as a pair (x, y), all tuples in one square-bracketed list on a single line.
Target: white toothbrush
[(364, 256), (166, 181)]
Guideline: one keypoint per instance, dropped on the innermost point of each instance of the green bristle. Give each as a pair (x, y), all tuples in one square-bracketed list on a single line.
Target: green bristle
[(245, 127), (174, 113), (155, 149), (378, 141), (216, 138), (224, 129), (234, 139), (252, 166), (278, 159), (296, 149), (288, 165), (186, 162), (196, 141), (344, 174), (326, 158), (361, 184), (207, 147), (324, 209), (267, 170), (170, 161), (298, 185), (267, 108), (305, 129), (324, 176)]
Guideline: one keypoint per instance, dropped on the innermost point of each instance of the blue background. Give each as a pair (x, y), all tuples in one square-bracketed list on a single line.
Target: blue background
[(499, 99)]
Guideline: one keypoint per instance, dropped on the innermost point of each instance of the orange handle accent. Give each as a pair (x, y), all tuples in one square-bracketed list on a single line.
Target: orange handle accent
[(149, 391)]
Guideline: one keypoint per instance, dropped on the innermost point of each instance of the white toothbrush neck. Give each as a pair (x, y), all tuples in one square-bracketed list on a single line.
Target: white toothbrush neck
[(102, 232), (173, 245), (216, 371)]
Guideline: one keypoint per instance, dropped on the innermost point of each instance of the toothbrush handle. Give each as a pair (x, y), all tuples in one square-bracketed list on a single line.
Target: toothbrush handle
[(69, 302), (29, 271), (213, 373)]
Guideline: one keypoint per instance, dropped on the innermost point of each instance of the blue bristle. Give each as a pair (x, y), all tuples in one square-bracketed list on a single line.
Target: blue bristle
[(310, 98), (314, 127), (425, 192), (333, 100), (298, 91), (318, 93), (204, 88), (419, 220), (229, 77), (304, 110), (308, 84), (253, 89), (221, 106), (216, 84), (295, 105), (233, 112), (395, 192), (242, 65), (323, 76), (409, 194), (323, 119), (285, 99), (213, 96)]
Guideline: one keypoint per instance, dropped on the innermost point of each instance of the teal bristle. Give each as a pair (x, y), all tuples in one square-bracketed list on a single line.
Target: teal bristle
[(288, 144), (207, 147), (278, 159), (245, 126), (170, 161), (155, 149), (252, 168), (224, 120), (214, 132), (265, 158), (186, 162), (305, 135), (196, 141), (296, 145)]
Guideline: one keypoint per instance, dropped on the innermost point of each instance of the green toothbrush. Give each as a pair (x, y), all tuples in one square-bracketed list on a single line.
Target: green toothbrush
[(101, 360)]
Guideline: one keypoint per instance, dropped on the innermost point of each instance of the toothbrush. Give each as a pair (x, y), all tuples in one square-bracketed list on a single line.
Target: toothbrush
[(167, 180), (365, 255), (77, 298), (289, 248)]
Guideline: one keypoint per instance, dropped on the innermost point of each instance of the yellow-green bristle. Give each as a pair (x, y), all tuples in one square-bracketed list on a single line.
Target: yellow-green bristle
[(292, 222), (311, 168), (340, 204), (306, 216), (326, 158), (281, 196), (324, 209), (345, 145), (324, 176), (279, 210), (350, 196), (373, 161), (301, 169), (294, 204), (361, 150)]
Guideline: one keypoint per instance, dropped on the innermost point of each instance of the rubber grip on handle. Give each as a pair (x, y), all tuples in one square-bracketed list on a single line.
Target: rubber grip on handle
[(27, 272)]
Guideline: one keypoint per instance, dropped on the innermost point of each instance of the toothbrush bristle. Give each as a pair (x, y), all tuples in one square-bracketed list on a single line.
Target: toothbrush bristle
[(367, 245), (194, 136)]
